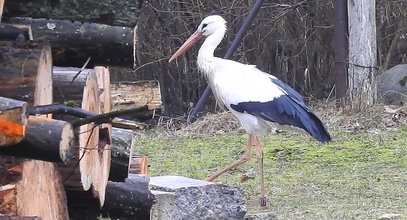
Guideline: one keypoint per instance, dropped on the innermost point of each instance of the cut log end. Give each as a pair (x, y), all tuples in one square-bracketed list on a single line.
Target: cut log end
[(12, 121)]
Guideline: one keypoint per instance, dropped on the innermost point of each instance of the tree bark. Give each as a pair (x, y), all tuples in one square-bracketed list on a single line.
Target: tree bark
[(13, 120), (26, 72), (362, 54), (129, 199), (45, 139), (73, 42), (112, 12)]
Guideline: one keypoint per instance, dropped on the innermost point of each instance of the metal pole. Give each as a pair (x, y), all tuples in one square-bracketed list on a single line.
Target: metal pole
[(340, 30), (240, 34)]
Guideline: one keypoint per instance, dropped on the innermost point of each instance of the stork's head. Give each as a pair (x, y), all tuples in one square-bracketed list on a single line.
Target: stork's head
[(210, 25)]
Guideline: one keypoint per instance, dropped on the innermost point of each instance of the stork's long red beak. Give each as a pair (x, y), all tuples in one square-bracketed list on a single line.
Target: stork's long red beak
[(193, 39)]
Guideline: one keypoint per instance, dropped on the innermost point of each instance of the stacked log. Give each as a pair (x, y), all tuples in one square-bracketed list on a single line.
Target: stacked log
[(91, 89), (26, 76), (58, 153), (133, 94), (45, 139)]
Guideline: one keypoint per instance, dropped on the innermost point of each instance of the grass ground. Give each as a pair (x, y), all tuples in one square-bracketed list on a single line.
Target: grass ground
[(360, 175)]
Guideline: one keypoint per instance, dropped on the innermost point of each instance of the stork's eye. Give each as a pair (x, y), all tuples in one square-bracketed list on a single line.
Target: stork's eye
[(204, 25)]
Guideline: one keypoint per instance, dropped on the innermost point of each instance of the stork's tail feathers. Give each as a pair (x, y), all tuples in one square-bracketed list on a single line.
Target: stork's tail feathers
[(316, 128)]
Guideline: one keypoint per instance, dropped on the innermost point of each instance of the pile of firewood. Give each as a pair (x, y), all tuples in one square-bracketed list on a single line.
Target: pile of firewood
[(52, 155)]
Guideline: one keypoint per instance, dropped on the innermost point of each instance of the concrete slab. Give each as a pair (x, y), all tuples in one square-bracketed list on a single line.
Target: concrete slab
[(186, 198)]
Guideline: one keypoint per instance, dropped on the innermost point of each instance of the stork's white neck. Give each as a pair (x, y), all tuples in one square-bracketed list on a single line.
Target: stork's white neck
[(205, 54)]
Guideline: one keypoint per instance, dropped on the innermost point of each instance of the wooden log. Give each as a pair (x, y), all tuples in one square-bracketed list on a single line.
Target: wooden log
[(71, 47), (14, 32), (127, 95), (124, 160), (129, 199), (45, 139), (40, 192), (26, 75), (102, 172), (112, 12), (87, 140), (12, 121), (26, 72), (122, 142), (68, 91), (93, 154)]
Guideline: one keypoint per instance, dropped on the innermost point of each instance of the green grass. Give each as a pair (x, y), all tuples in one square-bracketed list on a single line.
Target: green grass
[(357, 176)]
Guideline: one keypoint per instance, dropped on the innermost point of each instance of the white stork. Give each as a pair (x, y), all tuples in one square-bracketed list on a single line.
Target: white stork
[(260, 101)]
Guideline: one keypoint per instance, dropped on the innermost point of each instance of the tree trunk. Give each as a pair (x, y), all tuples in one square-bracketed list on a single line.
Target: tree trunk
[(112, 12), (362, 54), (26, 72), (12, 121), (45, 139), (71, 47)]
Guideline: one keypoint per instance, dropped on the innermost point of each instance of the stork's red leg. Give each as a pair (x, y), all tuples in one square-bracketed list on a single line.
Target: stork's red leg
[(259, 154), (246, 157)]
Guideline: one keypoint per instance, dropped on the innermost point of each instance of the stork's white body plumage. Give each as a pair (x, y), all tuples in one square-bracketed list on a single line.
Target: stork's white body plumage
[(233, 83), (260, 101)]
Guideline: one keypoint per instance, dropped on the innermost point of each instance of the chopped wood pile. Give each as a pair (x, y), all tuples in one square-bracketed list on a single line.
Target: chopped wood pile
[(66, 134)]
